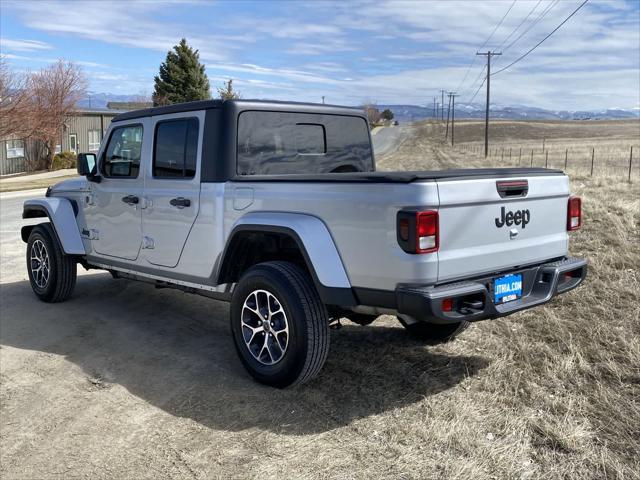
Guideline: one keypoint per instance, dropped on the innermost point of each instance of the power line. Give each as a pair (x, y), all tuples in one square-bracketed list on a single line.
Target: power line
[(541, 41), (519, 25), (474, 95), (537, 20), (485, 42), (472, 84), (497, 26)]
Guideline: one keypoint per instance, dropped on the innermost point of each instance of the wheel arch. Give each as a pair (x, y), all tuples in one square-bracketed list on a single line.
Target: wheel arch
[(61, 212), (301, 233)]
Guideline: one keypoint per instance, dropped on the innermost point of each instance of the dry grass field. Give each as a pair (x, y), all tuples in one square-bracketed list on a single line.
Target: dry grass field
[(126, 381), (541, 143)]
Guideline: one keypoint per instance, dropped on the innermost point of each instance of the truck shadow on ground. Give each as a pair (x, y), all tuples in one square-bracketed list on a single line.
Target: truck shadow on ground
[(175, 351)]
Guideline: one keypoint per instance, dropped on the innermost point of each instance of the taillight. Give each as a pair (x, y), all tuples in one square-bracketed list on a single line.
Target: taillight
[(447, 305), (418, 231), (574, 213)]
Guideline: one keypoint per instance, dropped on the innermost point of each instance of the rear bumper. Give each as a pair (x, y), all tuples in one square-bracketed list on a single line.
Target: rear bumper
[(473, 300)]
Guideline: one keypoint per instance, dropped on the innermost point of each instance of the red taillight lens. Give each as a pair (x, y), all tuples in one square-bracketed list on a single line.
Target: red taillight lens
[(426, 232), (418, 232), (574, 213), (447, 304)]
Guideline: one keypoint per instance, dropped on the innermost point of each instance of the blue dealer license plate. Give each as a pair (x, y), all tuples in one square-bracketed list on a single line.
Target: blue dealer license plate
[(508, 288)]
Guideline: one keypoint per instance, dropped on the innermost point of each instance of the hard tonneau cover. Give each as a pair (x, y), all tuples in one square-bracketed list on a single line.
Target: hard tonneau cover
[(400, 177)]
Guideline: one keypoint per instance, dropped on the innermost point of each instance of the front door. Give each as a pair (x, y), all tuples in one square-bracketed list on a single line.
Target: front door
[(73, 142), (114, 207), (172, 186)]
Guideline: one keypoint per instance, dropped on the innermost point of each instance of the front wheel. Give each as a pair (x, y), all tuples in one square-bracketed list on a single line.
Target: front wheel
[(52, 273), (434, 332), (280, 326)]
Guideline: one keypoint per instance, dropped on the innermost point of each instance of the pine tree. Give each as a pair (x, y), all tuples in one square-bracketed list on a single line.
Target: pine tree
[(182, 77)]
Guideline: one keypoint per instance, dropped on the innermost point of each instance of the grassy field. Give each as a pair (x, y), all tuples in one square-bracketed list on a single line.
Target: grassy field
[(558, 393), (543, 143)]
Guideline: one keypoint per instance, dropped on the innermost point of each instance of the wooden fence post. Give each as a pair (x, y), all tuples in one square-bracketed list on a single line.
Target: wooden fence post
[(531, 157), (566, 153), (509, 155), (630, 161), (593, 154), (546, 159), (520, 156)]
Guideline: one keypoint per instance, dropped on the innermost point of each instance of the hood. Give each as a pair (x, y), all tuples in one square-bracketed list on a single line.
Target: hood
[(70, 185)]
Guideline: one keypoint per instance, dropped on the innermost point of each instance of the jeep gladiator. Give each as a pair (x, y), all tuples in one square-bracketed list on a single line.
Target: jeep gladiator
[(277, 208)]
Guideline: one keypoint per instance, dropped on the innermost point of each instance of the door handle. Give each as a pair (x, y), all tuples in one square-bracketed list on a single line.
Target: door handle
[(131, 200), (180, 202)]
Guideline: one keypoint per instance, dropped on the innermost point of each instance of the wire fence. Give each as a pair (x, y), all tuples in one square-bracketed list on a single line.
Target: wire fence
[(608, 159)]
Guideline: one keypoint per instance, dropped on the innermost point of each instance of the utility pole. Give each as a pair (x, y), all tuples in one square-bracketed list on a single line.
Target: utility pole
[(435, 111), (453, 113), (323, 99), (488, 54), (446, 133), (442, 105)]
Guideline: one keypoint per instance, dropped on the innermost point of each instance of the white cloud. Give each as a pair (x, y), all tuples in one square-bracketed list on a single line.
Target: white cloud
[(23, 45)]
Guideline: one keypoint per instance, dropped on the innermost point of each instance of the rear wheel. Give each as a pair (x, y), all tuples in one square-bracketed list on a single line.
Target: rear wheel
[(434, 332), (280, 326), (52, 274)]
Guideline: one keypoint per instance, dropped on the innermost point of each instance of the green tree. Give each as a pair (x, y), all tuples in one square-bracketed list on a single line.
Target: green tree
[(227, 92), (387, 114), (182, 77)]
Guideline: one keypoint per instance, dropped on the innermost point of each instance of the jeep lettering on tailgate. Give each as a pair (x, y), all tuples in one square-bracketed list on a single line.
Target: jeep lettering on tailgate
[(513, 218)]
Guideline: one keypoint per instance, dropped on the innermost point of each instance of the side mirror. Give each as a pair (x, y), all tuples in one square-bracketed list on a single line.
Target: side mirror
[(87, 165)]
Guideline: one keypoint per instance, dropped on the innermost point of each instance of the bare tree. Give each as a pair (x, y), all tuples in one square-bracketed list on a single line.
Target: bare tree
[(226, 92), (55, 92), (15, 107), (372, 112)]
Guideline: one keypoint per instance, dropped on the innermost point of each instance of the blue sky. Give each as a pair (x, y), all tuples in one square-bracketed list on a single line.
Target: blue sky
[(351, 52)]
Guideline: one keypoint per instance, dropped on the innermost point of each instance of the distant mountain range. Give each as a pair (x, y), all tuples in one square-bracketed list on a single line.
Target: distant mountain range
[(412, 113)]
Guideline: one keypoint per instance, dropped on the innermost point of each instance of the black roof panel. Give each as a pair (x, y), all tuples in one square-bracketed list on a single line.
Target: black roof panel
[(239, 105)]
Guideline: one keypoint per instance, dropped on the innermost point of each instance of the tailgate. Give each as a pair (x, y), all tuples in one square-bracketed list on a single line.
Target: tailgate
[(483, 230)]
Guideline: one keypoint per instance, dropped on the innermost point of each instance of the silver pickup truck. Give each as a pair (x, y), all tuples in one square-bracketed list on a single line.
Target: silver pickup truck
[(277, 208)]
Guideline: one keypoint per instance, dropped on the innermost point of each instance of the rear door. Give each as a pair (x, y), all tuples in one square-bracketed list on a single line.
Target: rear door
[(172, 186), (489, 225)]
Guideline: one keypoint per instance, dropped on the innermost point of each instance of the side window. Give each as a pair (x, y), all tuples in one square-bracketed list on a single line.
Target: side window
[(272, 143), (122, 156), (175, 148)]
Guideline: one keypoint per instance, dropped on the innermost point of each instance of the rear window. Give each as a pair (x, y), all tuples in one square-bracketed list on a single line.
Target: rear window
[(271, 143), (176, 146)]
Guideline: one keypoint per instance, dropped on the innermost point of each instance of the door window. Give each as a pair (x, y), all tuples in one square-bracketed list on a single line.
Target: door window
[(175, 149), (122, 156)]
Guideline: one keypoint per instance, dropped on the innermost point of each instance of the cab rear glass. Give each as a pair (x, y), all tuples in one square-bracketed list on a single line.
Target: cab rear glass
[(273, 143)]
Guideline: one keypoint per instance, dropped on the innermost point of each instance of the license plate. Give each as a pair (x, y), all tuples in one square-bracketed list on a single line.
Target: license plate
[(507, 288)]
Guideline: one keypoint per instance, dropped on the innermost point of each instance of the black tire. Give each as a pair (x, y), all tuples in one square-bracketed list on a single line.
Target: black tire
[(60, 280), (305, 316), (433, 332)]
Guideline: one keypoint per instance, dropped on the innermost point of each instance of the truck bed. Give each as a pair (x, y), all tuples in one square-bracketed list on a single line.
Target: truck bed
[(400, 177)]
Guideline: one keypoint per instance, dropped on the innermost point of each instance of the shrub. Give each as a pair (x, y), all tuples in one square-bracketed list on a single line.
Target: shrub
[(64, 160)]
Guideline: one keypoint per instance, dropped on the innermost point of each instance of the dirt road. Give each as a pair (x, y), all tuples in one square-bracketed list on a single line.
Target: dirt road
[(126, 381)]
